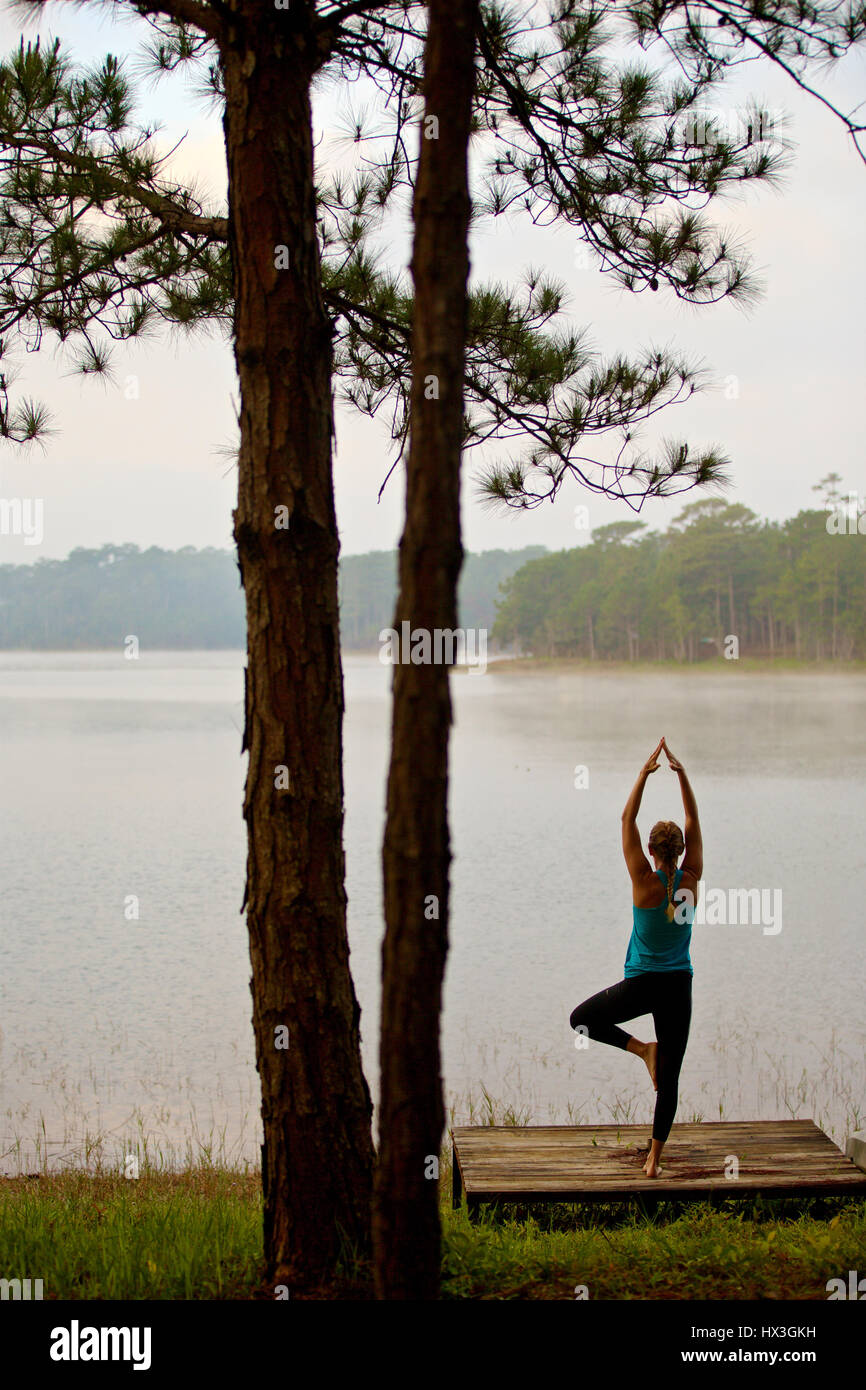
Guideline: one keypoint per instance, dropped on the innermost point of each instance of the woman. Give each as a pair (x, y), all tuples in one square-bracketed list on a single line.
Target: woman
[(658, 971)]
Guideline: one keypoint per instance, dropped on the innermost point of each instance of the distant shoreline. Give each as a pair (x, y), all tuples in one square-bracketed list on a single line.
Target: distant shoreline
[(521, 665), (757, 666)]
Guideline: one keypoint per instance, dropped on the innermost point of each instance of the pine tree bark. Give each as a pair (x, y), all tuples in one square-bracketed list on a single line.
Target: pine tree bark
[(317, 1155), (416, 852)]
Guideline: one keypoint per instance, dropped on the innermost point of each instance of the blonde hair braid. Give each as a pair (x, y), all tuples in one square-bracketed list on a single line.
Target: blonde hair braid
[(667, 844)]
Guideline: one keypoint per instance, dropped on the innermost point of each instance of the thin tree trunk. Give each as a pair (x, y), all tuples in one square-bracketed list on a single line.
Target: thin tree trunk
[(416, 851), (317, 1154)]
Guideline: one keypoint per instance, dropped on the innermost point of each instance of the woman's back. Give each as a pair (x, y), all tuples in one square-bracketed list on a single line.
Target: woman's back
[(655, 942)]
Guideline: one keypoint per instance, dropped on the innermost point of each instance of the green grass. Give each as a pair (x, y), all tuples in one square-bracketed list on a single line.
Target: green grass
[(190, 1226), (196, 1235), (192, 1234), (769, 1251)]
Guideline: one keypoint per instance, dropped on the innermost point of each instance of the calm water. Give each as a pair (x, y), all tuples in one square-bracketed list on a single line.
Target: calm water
[(125, 778)]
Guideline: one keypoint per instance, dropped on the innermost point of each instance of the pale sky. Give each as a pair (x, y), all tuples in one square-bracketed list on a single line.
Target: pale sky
[(790, 371)]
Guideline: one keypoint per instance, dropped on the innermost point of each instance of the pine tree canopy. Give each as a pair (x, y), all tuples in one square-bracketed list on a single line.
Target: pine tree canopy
[(594, 116)]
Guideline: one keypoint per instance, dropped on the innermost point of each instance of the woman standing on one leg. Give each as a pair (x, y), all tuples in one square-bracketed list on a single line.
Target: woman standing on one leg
[(658, 970)]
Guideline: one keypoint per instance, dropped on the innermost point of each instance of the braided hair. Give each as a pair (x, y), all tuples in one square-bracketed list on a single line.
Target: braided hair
[(667, 844)]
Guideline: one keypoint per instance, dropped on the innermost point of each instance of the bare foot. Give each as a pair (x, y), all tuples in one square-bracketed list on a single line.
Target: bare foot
[(652, 1167), (651, 1059)]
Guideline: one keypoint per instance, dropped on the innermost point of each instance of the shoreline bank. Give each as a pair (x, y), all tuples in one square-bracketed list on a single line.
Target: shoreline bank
[(757, 666)]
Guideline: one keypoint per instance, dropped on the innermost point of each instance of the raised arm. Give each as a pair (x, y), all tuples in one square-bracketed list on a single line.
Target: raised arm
[(636, 860), (694, 857)]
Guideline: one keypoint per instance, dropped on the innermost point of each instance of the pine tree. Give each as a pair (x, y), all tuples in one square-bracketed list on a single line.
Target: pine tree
[(416, 852)]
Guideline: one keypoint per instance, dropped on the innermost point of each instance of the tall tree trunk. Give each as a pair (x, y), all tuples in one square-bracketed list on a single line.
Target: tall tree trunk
[(317, 1155), (416, 852)]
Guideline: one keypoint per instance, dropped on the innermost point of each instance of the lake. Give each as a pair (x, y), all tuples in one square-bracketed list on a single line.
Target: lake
[(125, 778)]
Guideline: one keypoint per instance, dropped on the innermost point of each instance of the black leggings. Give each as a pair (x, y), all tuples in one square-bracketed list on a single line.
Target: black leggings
[(667, 995)]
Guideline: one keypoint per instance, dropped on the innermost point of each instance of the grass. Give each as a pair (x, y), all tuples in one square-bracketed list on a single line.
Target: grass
[(750, 1250), (190, 1234), (196, 1234), (189, 1227)]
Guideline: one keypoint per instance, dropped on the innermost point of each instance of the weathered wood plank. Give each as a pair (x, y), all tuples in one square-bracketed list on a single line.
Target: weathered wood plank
[(604, 1162)]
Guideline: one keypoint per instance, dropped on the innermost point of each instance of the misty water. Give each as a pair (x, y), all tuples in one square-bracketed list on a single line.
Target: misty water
[(125, 778)]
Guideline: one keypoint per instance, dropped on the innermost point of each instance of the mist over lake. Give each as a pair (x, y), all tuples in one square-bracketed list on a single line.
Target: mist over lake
[(123, 781)]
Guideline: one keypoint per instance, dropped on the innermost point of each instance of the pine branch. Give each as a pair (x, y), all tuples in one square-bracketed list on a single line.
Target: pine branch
[(763, 47), (210, 18), (170, 214), (206, 17), (331, 19)]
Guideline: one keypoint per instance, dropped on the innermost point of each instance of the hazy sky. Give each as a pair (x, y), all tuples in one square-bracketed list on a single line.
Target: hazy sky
[(787, 406)]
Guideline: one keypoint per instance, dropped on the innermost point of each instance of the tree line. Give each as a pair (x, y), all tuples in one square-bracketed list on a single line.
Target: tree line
[(791, 588), (191, 599), (368, 587)]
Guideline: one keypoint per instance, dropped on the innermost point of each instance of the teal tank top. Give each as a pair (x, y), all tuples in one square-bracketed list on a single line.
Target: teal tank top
[(655, 943)]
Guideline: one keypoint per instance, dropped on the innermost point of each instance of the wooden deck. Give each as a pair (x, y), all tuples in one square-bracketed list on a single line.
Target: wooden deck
[(603, 1163)]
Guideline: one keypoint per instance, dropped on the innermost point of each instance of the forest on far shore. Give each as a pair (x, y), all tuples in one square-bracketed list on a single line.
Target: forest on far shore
[(191, 599), (794, 588), (782, 589)]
